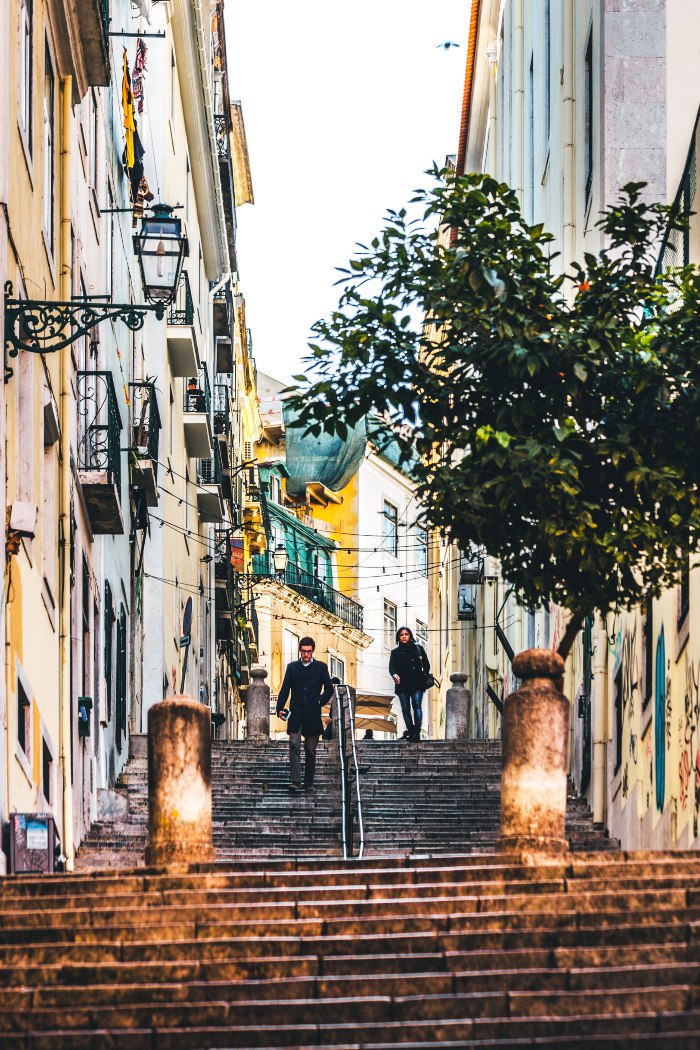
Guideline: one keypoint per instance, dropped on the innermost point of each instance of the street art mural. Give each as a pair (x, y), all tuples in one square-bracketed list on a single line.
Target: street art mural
[(660, 721)]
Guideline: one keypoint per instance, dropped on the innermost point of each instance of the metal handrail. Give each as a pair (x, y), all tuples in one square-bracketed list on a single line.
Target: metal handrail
[(351, 712), (343, 771)]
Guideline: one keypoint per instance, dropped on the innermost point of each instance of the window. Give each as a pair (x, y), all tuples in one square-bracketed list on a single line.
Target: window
[(275, 489), (684, 595), (337, 668), (648, 653), (290, 646), (46, 772), (24, 734), (391, 532), (588, 119), (422, 634), (422, 550), (389, 624), (85, 624), (26, 54), (49, 136), (121, 677), (618, 721), (109, 644), (49, 519)]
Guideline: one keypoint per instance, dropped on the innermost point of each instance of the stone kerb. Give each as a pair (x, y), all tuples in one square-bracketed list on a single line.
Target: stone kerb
[(535, 740), (179, 783), (457, 709), (257, 701)]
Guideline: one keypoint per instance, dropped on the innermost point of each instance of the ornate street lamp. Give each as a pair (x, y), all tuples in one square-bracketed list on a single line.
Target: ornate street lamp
[(161, 248), (43, 327), (280, 559)]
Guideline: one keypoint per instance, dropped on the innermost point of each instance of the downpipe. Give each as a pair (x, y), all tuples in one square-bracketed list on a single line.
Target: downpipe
[(65, 281)]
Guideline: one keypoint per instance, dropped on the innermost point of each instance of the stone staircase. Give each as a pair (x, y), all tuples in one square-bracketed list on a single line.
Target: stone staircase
[(591, 950), (438, 798), (443, 797)]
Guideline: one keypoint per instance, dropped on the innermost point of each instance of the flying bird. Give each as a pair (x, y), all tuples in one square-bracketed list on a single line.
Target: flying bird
[(448, 44)]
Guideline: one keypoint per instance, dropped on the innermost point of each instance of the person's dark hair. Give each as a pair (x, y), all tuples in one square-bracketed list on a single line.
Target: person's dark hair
[(411, 639), (306, 642)]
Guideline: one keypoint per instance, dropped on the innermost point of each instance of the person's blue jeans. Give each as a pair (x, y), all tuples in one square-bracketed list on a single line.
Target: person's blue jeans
[(412, 710)]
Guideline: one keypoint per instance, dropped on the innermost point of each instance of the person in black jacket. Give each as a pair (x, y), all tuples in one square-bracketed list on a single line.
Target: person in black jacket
[(408, 666), (310, 686)]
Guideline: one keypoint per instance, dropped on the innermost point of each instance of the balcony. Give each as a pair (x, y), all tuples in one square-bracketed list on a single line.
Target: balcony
[(99, 451), (210, 502), (89, 22), (222, 128), (222, 305), (313, 588), (145, 436), (222, 411), (225, 586), (197, 415), (182, 340)]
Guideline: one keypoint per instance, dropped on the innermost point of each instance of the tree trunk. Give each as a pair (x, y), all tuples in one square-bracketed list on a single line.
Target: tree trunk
[(569, 637)]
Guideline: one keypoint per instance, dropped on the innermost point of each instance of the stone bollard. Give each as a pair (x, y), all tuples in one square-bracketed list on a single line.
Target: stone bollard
[(179, 783), (257, 702), (535, 740), (458, 709)]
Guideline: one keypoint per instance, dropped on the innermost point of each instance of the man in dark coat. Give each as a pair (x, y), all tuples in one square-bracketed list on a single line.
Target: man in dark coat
[(310, 686), (409, 666)]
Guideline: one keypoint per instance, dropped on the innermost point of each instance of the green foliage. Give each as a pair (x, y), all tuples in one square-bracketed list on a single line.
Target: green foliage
[(557, 416)]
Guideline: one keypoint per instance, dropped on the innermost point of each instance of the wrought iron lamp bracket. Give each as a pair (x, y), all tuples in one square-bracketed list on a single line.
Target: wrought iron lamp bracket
[(40, 327)]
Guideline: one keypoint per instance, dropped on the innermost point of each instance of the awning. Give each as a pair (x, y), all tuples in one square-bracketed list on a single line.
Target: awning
[(379, 725), (373, 704)]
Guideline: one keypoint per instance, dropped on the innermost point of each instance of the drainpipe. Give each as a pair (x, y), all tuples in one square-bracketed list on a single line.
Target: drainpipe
[(600, 704), (569, 159), (64, 490)]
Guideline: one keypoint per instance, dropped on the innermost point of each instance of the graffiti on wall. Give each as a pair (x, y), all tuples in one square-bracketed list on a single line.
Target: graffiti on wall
[(689, 763), (660, 721)]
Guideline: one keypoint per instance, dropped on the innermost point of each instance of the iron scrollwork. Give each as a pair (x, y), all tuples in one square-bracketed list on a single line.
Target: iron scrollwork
[(40, 327), (99, 424)]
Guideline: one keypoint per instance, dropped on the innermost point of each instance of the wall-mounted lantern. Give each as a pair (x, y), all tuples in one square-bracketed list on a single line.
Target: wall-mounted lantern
[(280, 559), (43, 327), (161, 248)]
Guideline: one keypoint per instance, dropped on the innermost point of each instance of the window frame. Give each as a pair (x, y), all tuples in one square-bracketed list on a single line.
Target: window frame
[(49, 151), (389, 625), (388, 521), (25, 101), (422, 547)]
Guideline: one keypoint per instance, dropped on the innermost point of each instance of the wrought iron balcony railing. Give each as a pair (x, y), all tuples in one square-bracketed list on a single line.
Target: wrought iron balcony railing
[(99, 424), (182, 308), (209, 470), (222, 409), (198, 392), (222, 142), (313, 588), (145, 421)]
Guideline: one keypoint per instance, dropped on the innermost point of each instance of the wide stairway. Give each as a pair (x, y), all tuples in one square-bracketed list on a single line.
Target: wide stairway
[(592, 950), (434, 798)]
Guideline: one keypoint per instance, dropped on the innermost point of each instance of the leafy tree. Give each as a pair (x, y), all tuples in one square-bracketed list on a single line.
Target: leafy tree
[(556, 415)]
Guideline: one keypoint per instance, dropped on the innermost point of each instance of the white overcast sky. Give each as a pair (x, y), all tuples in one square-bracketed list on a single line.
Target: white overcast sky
[(345, 106)]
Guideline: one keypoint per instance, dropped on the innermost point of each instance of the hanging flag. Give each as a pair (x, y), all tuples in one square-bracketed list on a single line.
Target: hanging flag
[(137, 75), (128, 108)]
